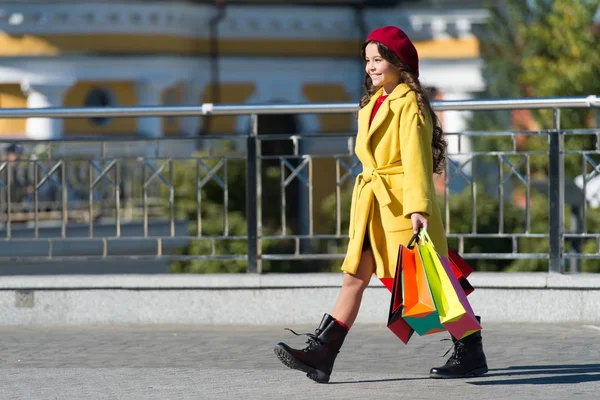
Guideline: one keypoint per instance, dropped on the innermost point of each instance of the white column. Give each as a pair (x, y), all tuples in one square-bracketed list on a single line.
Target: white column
[(456, 122), (191, 97), (43, 94), (149, 93)]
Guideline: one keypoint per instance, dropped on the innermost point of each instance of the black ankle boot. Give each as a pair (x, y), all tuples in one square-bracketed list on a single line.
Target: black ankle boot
[(467, 360), (318, 357)]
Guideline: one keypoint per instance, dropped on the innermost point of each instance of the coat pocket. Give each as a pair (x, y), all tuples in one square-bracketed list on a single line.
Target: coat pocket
[(392, 216)]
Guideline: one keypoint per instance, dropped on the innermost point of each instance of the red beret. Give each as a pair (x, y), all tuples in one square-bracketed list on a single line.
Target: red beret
[(397, 41)]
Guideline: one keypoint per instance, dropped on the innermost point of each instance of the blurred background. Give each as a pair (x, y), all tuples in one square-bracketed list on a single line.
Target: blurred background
[(168, 194)]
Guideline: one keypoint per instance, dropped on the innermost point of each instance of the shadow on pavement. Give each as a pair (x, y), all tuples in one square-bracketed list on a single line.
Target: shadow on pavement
[(524, 375), (377, 381), (554, 374)]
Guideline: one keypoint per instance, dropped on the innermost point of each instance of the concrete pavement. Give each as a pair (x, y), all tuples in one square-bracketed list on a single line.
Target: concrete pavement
[(527, 361)]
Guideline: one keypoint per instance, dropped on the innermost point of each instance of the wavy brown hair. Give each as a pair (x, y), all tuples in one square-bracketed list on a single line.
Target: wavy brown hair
[(438, 144)]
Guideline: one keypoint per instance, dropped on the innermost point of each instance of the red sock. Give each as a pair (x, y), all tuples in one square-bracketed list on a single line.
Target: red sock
[(343, 325)]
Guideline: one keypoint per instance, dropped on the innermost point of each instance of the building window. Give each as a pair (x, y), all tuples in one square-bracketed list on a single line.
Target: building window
[(100, 97)]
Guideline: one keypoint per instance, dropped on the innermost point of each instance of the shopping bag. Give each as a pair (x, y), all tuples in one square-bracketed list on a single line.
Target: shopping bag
[(395, 321), (467, 323), (457, 262), (464, 282), (461, 270), (455, 312), (419, 308)]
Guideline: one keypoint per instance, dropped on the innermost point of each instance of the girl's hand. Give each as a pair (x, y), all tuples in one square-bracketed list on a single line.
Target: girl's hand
[(418, 221)]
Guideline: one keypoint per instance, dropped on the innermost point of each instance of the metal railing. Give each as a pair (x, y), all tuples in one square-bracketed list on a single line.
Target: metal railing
[(121, 186)]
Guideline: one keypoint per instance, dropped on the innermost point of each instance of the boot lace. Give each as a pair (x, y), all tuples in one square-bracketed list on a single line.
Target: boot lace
[(457, 354), (313, 340)]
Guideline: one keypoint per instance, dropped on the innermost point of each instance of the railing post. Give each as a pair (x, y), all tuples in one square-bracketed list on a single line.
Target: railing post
[(556, 189), (253, 197)]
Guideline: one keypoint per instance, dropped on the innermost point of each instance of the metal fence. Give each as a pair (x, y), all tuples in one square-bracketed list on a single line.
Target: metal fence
[(99, 194)]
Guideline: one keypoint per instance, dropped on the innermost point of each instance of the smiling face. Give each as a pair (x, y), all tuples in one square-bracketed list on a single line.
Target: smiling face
[(382, 73)]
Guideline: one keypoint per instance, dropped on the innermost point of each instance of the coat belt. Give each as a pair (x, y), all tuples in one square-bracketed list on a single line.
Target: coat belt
[(372, 177)]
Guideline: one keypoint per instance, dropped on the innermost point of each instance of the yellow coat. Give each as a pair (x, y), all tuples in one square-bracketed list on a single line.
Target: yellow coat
[(397, 180)]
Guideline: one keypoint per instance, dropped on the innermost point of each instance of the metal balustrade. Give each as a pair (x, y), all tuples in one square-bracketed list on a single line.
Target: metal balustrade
[(110, 191)]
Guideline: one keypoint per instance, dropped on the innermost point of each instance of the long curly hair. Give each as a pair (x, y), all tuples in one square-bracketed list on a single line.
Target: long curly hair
[(438, 144)]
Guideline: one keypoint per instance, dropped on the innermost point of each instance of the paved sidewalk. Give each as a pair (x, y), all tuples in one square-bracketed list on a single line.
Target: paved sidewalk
[(539, 361)]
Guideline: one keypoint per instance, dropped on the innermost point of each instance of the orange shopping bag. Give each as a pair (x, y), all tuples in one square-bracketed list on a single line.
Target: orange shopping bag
[(419, 308)]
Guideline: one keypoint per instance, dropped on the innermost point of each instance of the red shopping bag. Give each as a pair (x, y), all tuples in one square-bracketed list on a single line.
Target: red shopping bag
[(461, 270), (459, 264)]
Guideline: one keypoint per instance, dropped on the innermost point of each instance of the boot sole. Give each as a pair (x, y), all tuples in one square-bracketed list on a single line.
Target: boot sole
[(292, 362), (470, 374)]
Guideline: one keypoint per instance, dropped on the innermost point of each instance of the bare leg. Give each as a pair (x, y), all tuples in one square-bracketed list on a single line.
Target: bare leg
[(348, 302)]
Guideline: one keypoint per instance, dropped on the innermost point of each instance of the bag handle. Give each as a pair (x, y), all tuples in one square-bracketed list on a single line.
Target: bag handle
[(415, 239), (426, 237)]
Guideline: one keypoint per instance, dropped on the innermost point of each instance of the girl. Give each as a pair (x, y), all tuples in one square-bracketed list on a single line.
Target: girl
[(400, 146)]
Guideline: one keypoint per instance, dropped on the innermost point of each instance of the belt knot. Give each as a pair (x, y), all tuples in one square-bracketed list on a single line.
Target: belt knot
[(379, 188)]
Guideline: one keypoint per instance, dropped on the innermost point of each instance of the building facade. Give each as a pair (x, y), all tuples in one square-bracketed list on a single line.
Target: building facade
[(124, 53)]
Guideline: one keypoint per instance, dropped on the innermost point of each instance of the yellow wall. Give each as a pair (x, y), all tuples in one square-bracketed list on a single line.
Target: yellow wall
[(171, 125), (11, 96), (229, 93), (124, 94), (329, 93), (11, 45), (324, 180)]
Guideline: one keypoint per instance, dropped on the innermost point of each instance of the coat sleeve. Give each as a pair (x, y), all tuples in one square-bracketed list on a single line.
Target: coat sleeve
[(416, 132)]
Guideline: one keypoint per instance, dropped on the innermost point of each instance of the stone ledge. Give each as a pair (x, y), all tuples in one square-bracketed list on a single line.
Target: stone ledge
[(481, 280), (271, 306)]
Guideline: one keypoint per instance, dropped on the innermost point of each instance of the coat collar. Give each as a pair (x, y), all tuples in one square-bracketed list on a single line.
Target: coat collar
[(399, 91)]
